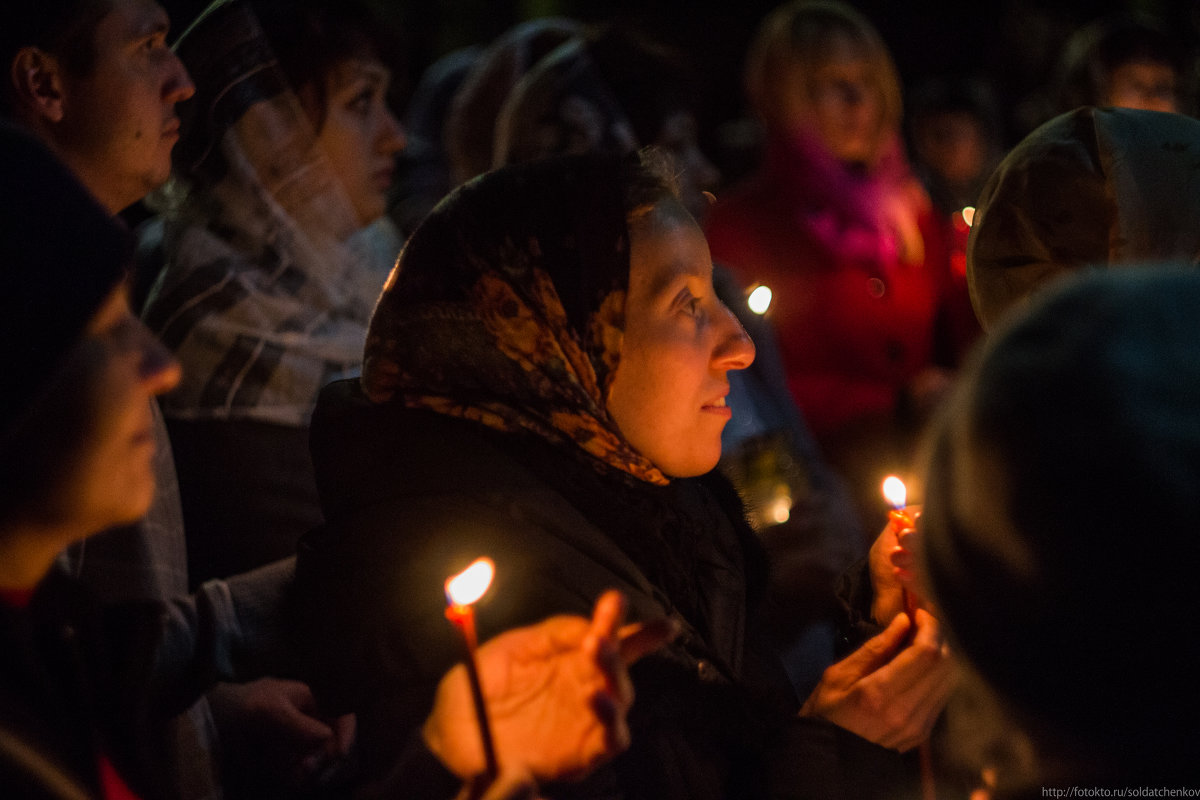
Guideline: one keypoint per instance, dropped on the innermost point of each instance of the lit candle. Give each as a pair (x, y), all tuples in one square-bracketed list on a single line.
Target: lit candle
[(896, 493), (462, 592)]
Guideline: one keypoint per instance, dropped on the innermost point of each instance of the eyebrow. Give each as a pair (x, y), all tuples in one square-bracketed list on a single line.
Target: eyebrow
[(155, 20), (370, 71), (680, 271)]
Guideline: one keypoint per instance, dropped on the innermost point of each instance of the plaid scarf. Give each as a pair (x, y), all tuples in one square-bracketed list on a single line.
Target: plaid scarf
[(269, 284)]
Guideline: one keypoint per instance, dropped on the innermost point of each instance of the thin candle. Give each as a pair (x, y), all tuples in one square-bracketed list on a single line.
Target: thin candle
[(462, 592), (896, 494)]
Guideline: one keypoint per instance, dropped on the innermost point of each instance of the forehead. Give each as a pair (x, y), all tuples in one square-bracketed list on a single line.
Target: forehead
[(841, 56), (666, 246), (110, 311), (130, 19), (1144, 71), (356, 70)]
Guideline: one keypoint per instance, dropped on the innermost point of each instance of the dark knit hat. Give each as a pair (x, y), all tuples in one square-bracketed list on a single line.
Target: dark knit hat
[(1062, 514), (1092, 188), (62, 255)]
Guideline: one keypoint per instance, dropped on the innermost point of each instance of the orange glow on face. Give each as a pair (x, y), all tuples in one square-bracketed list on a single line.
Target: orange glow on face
[(472, 583), (895, 492)]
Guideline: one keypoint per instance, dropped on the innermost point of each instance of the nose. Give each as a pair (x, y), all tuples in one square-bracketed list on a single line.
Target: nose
[(159, 370), (735, 348), (178, 86), (392, 138)]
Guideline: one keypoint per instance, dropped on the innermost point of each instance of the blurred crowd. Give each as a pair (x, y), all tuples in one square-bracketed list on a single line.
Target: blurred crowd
[(297, 332)]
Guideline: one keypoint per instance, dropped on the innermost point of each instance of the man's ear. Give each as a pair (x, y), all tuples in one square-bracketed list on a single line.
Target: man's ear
[(37, 84)]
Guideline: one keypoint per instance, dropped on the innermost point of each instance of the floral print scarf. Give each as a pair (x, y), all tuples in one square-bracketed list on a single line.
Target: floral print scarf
[(507, 308)]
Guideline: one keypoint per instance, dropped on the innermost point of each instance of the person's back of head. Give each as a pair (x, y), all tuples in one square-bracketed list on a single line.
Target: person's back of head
[(650, 80), (62, 255), (471, 122), (610, 89), (1059, 524), (1091, 189)]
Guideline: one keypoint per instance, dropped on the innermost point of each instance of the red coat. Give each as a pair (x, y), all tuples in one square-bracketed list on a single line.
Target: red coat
[(856, 264)]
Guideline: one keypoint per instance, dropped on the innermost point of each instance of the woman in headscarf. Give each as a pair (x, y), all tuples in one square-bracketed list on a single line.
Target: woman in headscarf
[(614, 90), (545, 383), (271, 269)]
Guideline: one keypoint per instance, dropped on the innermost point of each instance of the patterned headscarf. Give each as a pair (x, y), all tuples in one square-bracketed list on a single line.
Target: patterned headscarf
[(507, 306)]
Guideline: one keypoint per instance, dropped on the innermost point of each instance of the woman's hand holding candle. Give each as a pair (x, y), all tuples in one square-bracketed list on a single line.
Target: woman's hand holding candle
[(891, 690), (557, 694)]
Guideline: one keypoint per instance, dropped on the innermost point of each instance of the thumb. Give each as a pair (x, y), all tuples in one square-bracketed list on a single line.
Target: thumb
[(641, 639), (879, 649)]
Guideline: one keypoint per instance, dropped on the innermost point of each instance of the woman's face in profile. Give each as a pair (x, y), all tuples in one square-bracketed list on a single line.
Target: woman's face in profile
[(113, 372), (668, 393), (359, 135)]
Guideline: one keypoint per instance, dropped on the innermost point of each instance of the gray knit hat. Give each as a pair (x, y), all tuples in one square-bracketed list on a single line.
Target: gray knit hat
[(62, 254), (1092, 188), (1062, 516)]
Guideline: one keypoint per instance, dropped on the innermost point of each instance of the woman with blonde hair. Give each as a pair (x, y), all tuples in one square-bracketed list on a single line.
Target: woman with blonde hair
[(836, 224)]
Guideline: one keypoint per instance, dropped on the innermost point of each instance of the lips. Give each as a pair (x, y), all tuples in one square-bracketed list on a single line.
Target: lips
[(383, 178), (718, 407)]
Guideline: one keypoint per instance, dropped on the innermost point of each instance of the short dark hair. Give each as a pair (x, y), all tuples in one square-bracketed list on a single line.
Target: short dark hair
[(310, 38), (63, 28), (1095, 51)]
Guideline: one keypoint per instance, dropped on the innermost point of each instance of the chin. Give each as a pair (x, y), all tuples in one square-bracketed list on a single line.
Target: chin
[(692, 467), (368, 212)]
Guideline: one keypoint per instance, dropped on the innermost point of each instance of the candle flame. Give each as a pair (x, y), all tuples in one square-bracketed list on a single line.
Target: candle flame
[(968, 215), (760, 299), (894, 491), (472, 583)]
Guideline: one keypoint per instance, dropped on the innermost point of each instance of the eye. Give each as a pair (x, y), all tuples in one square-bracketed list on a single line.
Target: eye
[(155, 42), (360, 103), (689, 304)]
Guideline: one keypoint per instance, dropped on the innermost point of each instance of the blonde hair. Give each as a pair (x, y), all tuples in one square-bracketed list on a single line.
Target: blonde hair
[(798, 36)]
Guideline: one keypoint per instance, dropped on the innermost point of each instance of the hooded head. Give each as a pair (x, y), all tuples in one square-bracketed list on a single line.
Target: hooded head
[(1059, 523), (1091, 189)]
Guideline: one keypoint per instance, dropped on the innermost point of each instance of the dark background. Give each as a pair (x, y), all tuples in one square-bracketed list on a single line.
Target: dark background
[(1010, 43)]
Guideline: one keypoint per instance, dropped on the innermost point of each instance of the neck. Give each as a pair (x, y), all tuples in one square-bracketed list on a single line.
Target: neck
[(27, 552), (92, 180), (90, 176)]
